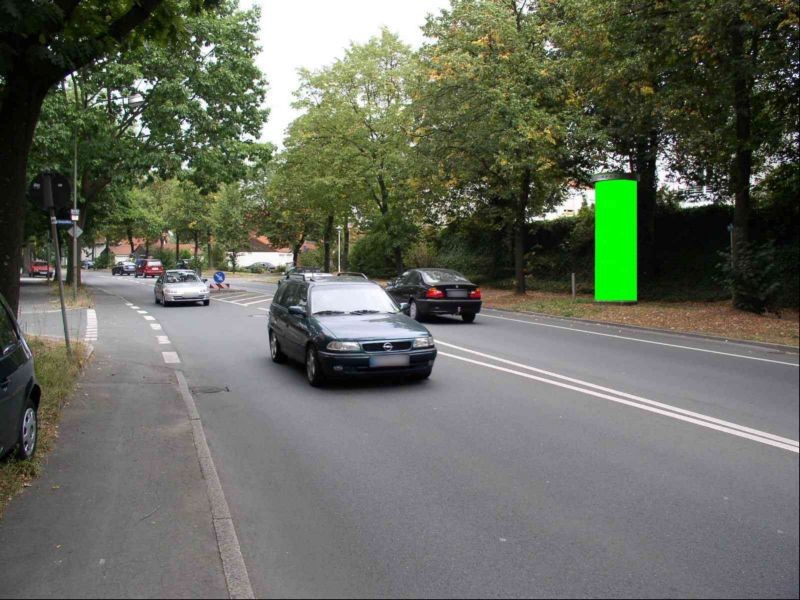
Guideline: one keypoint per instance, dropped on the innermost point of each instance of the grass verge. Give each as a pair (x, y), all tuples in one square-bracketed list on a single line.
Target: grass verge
[(83, 300), (57, 376), (709, 318)]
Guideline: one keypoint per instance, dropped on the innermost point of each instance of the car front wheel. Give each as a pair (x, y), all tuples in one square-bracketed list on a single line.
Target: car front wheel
[(314, 372), (28, 432), (275, 352)]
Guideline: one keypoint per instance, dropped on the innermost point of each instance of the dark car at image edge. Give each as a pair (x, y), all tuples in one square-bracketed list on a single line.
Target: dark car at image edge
[(347, 327), (19, 391)]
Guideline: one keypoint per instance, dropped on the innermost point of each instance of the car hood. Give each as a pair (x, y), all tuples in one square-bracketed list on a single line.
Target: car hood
[(371, 327), (187, 286)]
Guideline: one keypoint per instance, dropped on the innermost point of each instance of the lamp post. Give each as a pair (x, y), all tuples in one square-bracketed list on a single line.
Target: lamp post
[(339, 247)]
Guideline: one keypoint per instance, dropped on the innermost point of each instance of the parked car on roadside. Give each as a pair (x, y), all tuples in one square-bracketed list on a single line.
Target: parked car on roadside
[(436, 292), (149, 267), (347, 327), (124, 267), (297, 271), (40, 267), (263, 266), (87, 263), (19, 391), (180, 286)]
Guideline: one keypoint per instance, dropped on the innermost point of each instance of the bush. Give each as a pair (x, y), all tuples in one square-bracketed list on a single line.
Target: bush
[(166, 257), (103, 261), (756, 283), (372, 255), (255, 269)]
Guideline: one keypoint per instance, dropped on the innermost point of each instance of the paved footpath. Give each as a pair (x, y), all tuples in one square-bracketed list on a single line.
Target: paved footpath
[(122, 508)]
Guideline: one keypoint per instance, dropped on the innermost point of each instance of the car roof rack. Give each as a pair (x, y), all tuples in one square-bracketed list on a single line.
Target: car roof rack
[(351, 274)]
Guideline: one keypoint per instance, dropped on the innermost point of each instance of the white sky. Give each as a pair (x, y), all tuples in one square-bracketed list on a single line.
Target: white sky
[(313, 33)]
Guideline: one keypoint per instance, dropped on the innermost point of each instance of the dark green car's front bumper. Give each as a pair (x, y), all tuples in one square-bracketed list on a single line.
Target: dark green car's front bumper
[(350, 364)]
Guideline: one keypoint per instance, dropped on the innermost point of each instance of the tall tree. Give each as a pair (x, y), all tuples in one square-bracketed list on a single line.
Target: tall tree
[(359, 106), (490, 114), (40, 44)]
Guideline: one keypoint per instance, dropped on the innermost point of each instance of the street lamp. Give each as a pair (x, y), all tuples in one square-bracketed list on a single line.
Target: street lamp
[(339, 247)]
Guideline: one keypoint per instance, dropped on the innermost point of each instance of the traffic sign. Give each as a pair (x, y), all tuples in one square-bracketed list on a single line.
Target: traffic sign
[(75, 214), (219, 277), (64, 223), (57, 197), (78, 231)]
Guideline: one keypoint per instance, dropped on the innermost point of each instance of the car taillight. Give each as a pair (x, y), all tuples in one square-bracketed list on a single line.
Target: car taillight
[(434, 293), (475, 294)]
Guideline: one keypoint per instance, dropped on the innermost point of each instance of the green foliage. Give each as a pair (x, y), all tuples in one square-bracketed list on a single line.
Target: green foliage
[(167, 257), (756, 281), (372, 255), (103, 261)]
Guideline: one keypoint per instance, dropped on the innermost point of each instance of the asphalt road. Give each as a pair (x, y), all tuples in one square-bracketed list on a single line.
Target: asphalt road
[(543, 458)]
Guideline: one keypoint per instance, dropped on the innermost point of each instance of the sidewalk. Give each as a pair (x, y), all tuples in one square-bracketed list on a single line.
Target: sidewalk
[(121, 509), (40, 315)]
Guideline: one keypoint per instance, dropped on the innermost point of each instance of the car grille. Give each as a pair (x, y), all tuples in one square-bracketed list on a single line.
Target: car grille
[(378, 346)]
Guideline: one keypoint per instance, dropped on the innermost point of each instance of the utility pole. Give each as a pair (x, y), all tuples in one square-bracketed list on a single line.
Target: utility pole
[(339, 248), (47, 191), (76, 265)]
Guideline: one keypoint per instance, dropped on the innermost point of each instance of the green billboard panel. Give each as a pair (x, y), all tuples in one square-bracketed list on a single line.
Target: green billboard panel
[(615, 238)]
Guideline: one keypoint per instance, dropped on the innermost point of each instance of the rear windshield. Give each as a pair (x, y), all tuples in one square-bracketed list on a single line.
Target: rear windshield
[(432, 276), (351, 299), (153, 263)]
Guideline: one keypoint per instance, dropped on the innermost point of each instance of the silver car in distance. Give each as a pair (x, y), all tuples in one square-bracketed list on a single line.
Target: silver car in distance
[(181, 285)]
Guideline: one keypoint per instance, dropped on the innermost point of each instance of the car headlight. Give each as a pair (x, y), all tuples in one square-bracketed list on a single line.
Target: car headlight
[(423, 342), (344, 346)]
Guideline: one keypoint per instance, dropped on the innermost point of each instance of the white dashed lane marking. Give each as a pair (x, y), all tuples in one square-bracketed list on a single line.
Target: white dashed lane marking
[(149, 318), (170, 357), (162, 339), (91, 326), (156, 326), (142, 312)]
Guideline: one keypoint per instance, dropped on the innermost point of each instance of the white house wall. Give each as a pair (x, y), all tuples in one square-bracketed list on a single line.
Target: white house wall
[(245, 259)]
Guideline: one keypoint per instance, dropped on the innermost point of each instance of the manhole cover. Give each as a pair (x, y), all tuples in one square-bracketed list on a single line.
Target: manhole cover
[(209, 389)]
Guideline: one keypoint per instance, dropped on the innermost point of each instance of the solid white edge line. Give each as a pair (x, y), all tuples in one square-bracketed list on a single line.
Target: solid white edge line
[(633, 339), (629, 403), (233, 566), (626, 395)]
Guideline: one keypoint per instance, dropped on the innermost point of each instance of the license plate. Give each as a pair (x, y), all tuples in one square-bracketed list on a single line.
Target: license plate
[(456, 293), (395, 360)]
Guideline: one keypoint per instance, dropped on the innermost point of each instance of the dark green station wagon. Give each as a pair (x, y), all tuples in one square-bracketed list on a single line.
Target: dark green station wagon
[(347, 327)]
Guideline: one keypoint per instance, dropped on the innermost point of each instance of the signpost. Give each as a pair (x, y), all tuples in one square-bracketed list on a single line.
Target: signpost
[(51, 191), (615, 235)]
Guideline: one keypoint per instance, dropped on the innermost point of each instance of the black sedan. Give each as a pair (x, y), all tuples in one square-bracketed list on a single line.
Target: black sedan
[(344, 327), (19, 391), (436, 292)]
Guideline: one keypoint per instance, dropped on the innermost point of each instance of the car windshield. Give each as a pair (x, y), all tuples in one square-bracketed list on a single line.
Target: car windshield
[(181, 278), (433, 276), (351, 299)]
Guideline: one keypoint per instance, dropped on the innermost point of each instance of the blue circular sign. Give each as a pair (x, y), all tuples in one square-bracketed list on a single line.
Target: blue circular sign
[(219, 277)]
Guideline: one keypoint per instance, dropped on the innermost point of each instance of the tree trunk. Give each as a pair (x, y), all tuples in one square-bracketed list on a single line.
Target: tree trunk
[(346, 248), (646, 149), (296, 250), (520, 231), (208, 249), (146, 248), (177, 246), (129, 234), (19, 112), (196, 248), (326, 243), (743, 159)]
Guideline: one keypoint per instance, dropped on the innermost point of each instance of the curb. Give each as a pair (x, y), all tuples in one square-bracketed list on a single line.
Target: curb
[(687, 334)]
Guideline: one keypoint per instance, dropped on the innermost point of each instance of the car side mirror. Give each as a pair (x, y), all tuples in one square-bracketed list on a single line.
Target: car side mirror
[(404, 307), (298, 311), (391, 283)]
